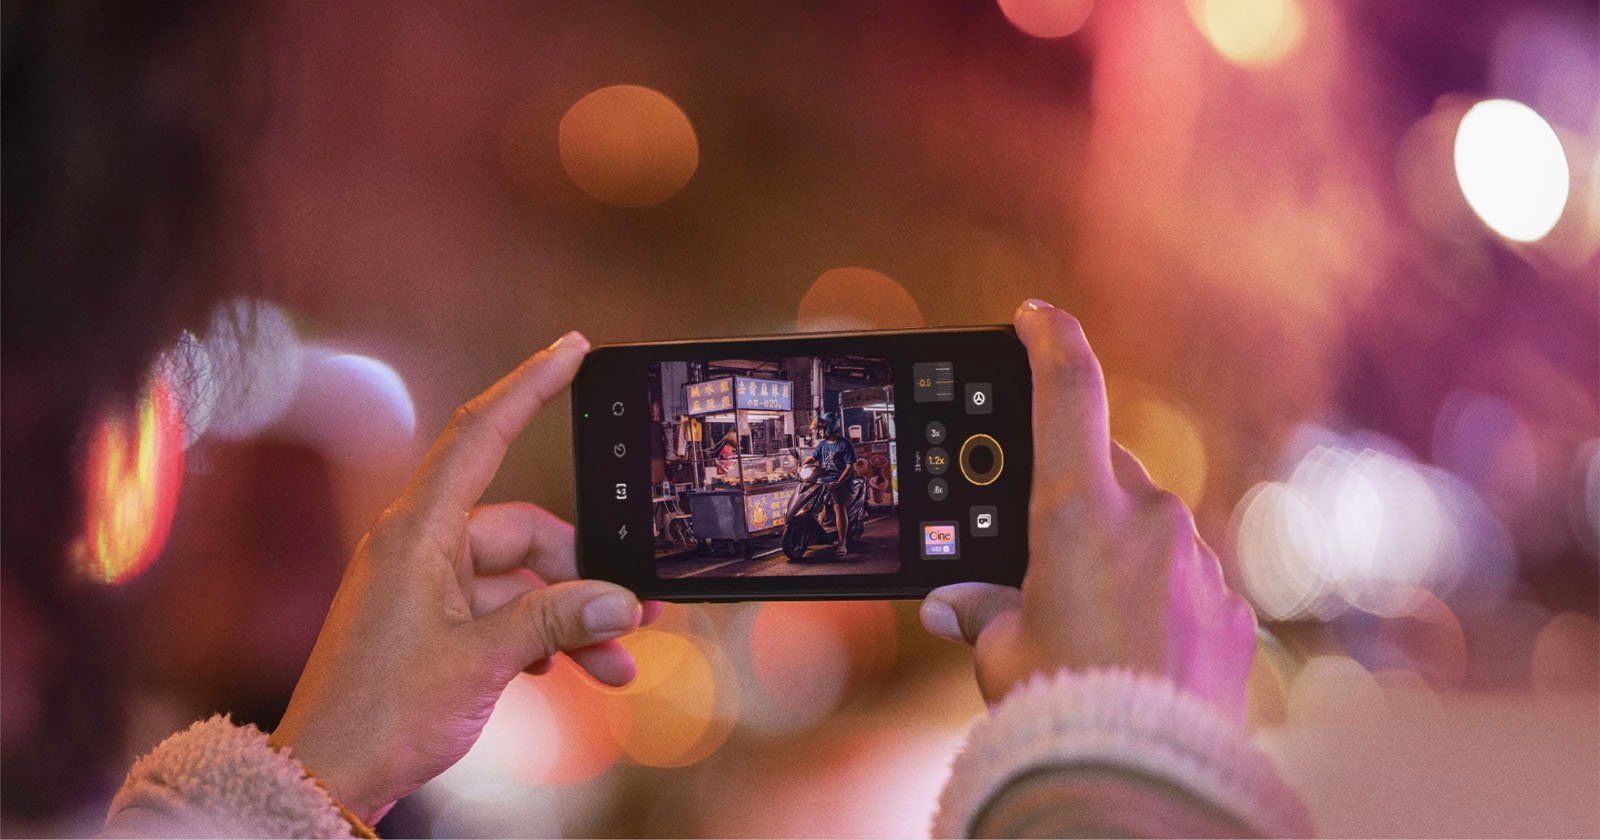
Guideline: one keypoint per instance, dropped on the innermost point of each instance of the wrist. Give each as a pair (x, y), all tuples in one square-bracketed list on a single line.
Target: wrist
[(346, 786)]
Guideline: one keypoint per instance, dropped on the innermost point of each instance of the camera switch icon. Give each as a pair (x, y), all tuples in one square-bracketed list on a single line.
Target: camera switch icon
[(622, 492)]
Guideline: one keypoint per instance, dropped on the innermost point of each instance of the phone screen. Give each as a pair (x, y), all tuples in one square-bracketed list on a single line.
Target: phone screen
[(860, 465)]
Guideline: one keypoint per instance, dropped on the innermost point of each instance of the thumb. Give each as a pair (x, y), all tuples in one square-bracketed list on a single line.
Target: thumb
[(960, 611), (559, 617)]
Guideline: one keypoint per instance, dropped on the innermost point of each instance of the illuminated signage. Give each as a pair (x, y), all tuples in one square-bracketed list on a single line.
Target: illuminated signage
[(767, 510), (738, 392)]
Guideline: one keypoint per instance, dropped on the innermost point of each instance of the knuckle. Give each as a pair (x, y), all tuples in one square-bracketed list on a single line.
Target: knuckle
[(1164, 505), (464, 418), (547, 622)]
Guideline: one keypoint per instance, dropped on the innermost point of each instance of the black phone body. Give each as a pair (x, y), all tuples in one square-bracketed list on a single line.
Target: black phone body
[(716, 470)]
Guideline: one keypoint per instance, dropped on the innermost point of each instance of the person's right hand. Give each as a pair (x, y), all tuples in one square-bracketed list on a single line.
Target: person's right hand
[(1116, 575)]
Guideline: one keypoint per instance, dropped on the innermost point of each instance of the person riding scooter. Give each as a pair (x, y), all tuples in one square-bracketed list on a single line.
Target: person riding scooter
[(835, 456)]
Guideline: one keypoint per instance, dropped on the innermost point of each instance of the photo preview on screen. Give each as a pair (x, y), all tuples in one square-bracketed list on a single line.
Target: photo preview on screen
[(758, 462)]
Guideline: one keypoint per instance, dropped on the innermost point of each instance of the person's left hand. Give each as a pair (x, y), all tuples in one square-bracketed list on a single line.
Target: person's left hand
[(444, 603)]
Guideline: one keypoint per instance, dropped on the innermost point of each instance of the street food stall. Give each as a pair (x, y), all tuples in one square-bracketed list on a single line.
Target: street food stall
[(745, 493), (868, 415)]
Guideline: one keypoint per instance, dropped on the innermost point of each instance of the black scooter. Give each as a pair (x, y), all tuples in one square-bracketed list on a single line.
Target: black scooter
[(811, 513)]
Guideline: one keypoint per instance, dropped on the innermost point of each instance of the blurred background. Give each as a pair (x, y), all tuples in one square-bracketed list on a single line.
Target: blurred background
[(1339, 260)]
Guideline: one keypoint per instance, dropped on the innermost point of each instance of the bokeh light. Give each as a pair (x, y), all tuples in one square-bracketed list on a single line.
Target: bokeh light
[(1485, 441), (805, 660), (1424, 168), (857, 299), (1565, 655), (800, 663), (257, 359), (628, 145), (1335, 689), (1047, 18), (1250, 32), (515, 752), (1277, 541), (1512, 169), (1356, 524), (1427, 641), (352, 408), (578, 705), (133, 473), (681, 706), (1585, 497), (1163, 434)]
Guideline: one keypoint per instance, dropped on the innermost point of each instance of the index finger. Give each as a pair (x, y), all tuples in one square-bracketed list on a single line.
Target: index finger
[(466, 456), (1071, 426)]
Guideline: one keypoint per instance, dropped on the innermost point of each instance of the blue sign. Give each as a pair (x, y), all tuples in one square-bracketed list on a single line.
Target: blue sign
[(731, 392)]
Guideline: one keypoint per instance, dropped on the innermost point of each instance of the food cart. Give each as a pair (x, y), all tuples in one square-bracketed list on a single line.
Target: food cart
[(748, 494)]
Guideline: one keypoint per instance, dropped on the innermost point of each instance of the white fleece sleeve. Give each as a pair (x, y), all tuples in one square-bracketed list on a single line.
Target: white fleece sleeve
[(216, 779), (1140, 725)]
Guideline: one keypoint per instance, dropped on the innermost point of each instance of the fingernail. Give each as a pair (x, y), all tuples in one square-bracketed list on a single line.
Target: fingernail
[(1036, 305), (573, 340), (610, 613), (940, 620)]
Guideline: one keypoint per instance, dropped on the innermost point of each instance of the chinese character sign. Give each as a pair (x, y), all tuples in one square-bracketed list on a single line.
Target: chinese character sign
[(727, 393), (767, 510), (765, 394)]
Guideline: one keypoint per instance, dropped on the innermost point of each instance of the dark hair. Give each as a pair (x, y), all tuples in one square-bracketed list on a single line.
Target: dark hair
[(116, 117)]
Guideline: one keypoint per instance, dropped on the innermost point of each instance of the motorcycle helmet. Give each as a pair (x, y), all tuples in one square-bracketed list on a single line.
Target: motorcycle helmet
[(829, 422)]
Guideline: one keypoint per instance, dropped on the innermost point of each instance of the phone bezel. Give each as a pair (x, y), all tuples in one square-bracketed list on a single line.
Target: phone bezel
[(618, 372)]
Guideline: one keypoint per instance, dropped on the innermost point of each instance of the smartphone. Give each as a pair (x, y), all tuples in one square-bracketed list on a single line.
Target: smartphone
[(721, 470)]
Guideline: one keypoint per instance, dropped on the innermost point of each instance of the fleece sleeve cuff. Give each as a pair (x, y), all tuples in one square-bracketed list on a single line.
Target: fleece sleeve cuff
[(219, 779), (1140, 724)]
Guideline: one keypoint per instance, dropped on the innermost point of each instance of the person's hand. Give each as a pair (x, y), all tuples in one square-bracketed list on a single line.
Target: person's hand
[(1116, 575), (443, 604)]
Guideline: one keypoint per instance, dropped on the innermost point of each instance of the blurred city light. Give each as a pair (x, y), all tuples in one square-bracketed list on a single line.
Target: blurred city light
[(1163, 435), (1585, 497), (352, 409), (681, 706), (257, 359), (628, 145), (1047, 18), (1484, 441), (1512, 169), (578, 706), (1335, 689), (1564, 657), (1425, 174), (1357, 525), (1250, 32), (516, 751), (133, 473), (857, 299), (800, 663)]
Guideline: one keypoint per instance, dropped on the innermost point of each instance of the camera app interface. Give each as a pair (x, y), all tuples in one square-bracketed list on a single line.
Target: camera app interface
[(780, 466)]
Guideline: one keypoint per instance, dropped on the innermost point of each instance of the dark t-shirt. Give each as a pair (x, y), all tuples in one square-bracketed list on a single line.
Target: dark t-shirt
[(834, 457)]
